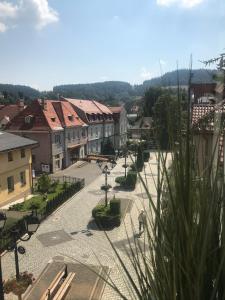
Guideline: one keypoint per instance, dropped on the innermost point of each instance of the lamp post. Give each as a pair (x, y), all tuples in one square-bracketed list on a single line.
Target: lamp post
[(125, 166), (31, 225), (106, 171), (2, 225)]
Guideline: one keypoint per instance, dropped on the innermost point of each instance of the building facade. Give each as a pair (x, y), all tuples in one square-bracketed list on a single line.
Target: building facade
[(15, 170), (60, 132), (99, 119), (120, 126)]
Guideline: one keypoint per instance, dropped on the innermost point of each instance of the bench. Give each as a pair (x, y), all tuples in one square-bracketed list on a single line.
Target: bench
[(64, 287), (54, 284)]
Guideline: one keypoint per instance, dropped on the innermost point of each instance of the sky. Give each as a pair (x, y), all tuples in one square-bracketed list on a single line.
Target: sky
[(44, 43)]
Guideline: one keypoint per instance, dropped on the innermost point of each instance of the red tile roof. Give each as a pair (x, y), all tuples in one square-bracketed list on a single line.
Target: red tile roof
[(116, 109), (66, 114), (9, 111), (46, 115), (93, 110), (203, 120)]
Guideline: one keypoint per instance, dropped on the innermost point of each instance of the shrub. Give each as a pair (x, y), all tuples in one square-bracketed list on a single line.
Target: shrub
[(146, 156), (44, 183), (131, 179), (107, 216), (106, 187), (65, 185), (133, 167), (120, 180), (115, 206), (98, 209), (53, 187), (18, 287)]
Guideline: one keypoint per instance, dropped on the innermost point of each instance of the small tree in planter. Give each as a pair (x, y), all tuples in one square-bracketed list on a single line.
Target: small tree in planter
[(44, 184), (18, 287)]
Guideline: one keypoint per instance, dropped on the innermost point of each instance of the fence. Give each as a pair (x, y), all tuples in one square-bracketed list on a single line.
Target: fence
[(68, 179), (74, 186)]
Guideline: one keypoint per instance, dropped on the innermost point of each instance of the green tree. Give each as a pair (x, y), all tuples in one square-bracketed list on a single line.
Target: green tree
[(150, 98), (166, 119), (44, 183)]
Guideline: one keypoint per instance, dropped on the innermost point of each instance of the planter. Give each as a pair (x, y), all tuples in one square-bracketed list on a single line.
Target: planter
[(18, 287)]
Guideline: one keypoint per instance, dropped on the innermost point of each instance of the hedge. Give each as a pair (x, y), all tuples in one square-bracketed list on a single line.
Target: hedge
[(107, 216), (129, 181), (47, 209), (146, 156)]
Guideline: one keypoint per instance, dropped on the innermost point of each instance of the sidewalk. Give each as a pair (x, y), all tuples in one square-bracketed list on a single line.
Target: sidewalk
[(65, 235)]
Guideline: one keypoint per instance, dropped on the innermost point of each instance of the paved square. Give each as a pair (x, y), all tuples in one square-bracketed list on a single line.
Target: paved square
[(54, 238)]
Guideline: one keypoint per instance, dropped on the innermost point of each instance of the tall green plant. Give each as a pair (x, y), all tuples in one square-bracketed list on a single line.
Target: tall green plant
[(184, 255)]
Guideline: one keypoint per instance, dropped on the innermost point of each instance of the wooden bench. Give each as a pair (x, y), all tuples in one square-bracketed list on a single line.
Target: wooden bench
[(64, 287), (54, 284)]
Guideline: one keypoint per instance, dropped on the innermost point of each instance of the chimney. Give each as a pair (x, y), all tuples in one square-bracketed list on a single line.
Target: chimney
[(20, 104), (44, 104)]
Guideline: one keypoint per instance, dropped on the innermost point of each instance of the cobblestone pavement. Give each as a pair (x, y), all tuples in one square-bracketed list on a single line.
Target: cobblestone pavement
[(88, 171), (68, 232)]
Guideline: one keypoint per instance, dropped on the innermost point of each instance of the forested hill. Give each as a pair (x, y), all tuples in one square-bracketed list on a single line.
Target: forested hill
[(111, 92), (171, 78), (13, 92)]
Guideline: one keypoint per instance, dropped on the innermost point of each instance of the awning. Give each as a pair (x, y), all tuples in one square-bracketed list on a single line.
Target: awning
[(71, 147)]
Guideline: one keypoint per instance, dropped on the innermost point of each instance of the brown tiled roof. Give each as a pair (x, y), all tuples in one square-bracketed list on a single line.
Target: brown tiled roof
[(200, 111), (9, 111), (203, 120), (46, 115), (67, 114), (38, 123), (93, 110), (87, 106), (116, 109)]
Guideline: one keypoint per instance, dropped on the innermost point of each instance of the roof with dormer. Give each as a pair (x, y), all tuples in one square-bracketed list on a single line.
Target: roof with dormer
[(45, 115), (93, 111)]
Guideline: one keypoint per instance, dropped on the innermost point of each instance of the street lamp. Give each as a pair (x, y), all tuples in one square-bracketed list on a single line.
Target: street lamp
[(106, 171), (2, 225), (31, 225), (125, 166)]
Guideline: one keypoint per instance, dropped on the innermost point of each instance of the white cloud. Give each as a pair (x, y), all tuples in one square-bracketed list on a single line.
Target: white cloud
[(7, 10), (145, 74), (3, 27), (35, 13), (162, 62), (184, 3)]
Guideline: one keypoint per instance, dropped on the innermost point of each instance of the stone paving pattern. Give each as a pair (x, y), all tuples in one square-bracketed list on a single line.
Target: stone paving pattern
[(80, 243)]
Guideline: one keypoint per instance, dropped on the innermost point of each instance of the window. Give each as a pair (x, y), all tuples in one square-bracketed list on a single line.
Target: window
[(68, 136), (57, 139), (96, 131), (10, 183), (74, 135), (28, 119), (70, 117), (78, 133), (23, 153), (10, 156), (91, 132), (23, 178), (83, 133), (33, 158), (53, 119)]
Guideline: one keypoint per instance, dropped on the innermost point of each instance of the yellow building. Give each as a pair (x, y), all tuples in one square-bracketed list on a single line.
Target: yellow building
[(15, 167)]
